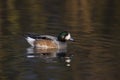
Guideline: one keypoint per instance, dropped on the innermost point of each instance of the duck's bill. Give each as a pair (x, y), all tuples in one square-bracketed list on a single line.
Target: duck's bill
[(71, 39)]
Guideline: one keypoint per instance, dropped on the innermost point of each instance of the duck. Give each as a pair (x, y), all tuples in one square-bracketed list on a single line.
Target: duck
[(48, 41)]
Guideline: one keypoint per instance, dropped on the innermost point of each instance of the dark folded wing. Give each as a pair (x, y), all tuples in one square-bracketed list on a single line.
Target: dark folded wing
[(37, 36)]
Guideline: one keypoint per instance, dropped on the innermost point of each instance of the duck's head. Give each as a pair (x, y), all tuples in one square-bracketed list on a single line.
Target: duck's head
[(65, 36)]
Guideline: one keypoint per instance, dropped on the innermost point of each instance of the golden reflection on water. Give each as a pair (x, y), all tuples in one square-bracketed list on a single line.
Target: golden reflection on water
[(93, 56)]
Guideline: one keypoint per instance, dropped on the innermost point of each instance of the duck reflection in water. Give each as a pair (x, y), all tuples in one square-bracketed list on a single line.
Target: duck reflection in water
[(49, 55)]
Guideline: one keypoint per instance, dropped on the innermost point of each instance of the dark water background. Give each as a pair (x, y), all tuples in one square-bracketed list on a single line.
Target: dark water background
[(95, 26)]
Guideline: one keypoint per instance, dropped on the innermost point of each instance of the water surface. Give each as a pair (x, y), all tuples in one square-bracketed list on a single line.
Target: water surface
[(94, 55)]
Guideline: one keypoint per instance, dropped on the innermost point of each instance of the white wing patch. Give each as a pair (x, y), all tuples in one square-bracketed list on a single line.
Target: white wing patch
[(30, 41)]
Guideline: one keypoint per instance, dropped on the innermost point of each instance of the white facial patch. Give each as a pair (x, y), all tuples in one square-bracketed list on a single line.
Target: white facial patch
[(68, 37)]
